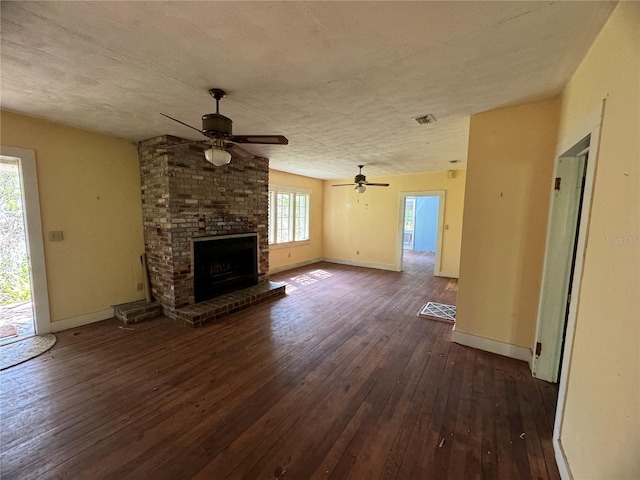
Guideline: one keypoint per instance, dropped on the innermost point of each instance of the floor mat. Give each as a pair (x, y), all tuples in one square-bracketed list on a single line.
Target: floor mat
[(439, 311), (18, 316), (8, 331), (17, 352)]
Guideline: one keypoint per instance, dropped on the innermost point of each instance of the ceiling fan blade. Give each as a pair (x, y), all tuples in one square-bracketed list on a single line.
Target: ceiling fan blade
[(185, 124), (237, 151), (344, 185), (368, 184), (265, 139)]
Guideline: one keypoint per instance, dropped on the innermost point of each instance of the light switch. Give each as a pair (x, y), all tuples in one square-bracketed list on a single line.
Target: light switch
[(55, 236)]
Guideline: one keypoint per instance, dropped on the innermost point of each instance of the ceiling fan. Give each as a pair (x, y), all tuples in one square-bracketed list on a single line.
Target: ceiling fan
[(218, 128), (360, 182)]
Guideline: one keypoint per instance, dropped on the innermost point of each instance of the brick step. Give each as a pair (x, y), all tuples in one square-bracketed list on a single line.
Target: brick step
[(135, 312), (197, 314)]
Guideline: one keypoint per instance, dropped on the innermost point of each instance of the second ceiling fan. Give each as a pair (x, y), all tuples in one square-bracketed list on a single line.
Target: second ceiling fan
[(360, 182)]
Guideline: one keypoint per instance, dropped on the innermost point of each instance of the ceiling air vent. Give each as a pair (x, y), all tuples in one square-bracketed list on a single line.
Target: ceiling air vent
[(426, 119)]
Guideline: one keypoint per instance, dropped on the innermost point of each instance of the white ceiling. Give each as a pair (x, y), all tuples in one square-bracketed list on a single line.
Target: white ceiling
[(342, 80)]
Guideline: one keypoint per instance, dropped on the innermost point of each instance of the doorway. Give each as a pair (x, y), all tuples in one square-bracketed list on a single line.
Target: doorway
[(24, 300), (421, 224), (556, 354), (420, 227)]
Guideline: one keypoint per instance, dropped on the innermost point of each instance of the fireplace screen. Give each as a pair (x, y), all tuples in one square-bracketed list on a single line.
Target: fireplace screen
[(224, 264)]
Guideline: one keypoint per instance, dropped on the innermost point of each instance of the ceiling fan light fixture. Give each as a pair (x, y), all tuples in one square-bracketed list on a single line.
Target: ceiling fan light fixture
[(361, 188), (217, 156)]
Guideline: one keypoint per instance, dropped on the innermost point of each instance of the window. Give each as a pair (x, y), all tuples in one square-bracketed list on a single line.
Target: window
[(288, 215)]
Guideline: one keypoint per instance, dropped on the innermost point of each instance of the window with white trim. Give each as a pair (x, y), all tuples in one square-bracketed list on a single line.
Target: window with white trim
[(288, 215)]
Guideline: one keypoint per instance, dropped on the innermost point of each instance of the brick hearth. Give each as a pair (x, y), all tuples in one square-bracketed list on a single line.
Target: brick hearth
[(184, 197), (202, 312)]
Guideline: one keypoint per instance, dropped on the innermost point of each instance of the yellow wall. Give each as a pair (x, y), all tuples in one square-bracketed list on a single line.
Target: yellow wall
[(600, 433), (281, 258), (89, 187), (509, 169), (363, 229)]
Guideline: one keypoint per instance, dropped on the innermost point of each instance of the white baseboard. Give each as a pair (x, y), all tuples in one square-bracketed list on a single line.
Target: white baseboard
[(356, 263), (446, 274), (493, 346), (80, 320), (561, 460), (291, 266)]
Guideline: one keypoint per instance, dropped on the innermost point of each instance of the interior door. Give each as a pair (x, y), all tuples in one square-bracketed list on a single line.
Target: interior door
[(559, 262)]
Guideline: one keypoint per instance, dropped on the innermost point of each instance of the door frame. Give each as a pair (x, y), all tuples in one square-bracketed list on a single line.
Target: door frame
[(441, 194), (33, 226), (590, 127)]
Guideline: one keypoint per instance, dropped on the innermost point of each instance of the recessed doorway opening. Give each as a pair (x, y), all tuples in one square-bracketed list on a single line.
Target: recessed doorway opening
[(420, 228)]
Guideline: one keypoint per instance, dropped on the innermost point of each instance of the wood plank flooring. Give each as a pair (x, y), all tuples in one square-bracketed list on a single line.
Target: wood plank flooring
[(338, 380)]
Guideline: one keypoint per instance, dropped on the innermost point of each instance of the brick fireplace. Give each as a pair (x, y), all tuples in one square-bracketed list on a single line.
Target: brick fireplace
[(186, 199)]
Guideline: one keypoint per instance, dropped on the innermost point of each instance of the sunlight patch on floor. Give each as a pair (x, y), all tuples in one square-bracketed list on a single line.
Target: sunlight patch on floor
[(309, 278)]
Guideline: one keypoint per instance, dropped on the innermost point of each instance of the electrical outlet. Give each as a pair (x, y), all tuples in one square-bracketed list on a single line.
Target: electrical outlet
[(139, 286), (55, 236)]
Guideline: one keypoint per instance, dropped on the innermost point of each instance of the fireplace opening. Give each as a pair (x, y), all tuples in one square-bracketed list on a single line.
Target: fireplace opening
[(224, 264)]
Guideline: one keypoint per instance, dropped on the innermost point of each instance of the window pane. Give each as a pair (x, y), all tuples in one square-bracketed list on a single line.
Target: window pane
[(284, 218), (270, 213), (409, 211), (302, 217), (288, 216)]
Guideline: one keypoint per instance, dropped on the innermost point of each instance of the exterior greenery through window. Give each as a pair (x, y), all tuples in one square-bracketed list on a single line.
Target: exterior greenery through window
[(15, 285), (288, 215)]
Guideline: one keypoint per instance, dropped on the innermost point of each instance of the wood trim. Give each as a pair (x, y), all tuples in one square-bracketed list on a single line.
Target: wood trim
[(493, 346), (561, 460), (355, 263), (291, 266), (80, 320), (447, 275)]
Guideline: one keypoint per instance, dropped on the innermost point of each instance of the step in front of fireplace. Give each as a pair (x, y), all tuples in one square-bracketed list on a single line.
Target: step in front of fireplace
[(199, 313), (135, 312)]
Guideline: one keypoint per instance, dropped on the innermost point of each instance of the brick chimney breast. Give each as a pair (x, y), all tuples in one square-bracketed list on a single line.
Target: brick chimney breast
[(185, 197)]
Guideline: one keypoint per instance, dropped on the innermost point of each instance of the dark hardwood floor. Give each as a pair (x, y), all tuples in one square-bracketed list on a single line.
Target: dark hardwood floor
[(339, 379)]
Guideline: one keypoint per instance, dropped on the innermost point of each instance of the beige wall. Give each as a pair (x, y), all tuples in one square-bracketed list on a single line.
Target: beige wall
[(509, 170), (282, 258), (90, 189), (363, 229), (600, 433)]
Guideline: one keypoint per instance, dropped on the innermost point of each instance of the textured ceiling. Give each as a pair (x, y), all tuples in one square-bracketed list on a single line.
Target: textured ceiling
[(342, 80)]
